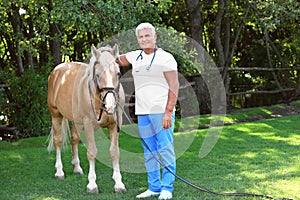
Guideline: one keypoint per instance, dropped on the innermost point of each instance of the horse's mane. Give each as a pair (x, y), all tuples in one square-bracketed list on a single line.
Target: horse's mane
[(106, 54), (102, 49), (106, 48)]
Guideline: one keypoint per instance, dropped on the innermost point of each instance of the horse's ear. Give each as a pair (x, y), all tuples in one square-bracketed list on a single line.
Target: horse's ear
[(94, 51), (115, 51)]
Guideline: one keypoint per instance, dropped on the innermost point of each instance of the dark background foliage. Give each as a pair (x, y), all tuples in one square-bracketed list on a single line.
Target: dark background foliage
[(255, 45)]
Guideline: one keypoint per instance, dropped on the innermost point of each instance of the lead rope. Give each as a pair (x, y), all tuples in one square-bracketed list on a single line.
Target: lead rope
[(91, 101), (117, 102), (199, 187)]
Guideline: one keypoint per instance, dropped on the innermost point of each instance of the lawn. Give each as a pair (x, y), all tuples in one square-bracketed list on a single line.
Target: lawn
[(260, 157)]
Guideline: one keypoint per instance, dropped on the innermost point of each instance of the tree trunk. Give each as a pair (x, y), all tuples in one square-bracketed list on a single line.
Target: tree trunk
[(227, 36), (15, 21), (271, 65), (193, 7), (227, 61), (29, 35), (43, 54), (55, 40), (217, 35), (297, 90), (230, 56), (55, 44)]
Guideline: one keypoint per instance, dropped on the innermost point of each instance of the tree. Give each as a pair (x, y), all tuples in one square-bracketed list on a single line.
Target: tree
[(246, 34), (193, 7), (37, 35)]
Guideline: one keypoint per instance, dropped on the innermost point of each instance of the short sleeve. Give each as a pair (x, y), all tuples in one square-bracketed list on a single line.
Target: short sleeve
[(130, 56), (169, 63)]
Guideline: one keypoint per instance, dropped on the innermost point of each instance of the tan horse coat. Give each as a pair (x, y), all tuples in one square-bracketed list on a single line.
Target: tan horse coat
[(76, 92)]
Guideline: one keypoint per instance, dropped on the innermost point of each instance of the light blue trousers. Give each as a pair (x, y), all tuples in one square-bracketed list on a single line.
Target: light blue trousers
[(161, 143)]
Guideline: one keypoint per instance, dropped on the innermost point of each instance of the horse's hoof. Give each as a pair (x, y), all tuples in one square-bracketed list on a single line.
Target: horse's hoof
[(120, 190), (79, 173), (93, 191), (78, 170), (60, 177)]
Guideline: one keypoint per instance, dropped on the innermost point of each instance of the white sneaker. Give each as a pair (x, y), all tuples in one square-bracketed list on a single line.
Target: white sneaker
[(165, 195), (147, 193)]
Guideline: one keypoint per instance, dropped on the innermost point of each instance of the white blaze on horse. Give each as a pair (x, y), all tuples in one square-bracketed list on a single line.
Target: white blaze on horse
[(91, 96)]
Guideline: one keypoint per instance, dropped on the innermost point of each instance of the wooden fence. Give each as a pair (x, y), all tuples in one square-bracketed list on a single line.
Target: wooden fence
[(279, 90), (7, 132), (196, 84), (286, 89)]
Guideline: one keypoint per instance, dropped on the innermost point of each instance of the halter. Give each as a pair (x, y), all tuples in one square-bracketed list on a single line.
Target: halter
[(107, 90)]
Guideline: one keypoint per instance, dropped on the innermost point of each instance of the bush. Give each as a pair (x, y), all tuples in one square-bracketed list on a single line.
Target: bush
[(29, 91)]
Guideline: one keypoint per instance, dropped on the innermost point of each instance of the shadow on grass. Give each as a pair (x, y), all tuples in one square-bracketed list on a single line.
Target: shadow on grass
[(255, 157), (258, 157)]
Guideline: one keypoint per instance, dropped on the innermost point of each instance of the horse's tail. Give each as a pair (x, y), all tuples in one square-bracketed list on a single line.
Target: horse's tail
[(65, 131)]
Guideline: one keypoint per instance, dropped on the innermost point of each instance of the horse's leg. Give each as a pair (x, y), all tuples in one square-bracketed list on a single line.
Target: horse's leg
[(57, 140), (75, 137), (91, 154), (115, 155)]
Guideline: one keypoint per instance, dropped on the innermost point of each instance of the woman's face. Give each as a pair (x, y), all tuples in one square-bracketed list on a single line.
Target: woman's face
[(146, 38)]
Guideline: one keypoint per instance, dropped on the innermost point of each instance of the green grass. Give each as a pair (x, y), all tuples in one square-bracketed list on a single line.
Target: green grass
[(254, 157), (236, 115)]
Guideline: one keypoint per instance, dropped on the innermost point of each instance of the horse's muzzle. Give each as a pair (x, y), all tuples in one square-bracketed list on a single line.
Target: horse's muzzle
[(110, 110)]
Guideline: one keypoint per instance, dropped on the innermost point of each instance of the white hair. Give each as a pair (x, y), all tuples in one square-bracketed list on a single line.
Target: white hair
[(145, 25)]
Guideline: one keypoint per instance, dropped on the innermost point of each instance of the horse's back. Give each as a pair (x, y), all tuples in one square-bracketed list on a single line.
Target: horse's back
[(61, 82)]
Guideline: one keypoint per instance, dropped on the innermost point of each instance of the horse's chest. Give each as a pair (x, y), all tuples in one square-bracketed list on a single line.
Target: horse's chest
[(106, 120)]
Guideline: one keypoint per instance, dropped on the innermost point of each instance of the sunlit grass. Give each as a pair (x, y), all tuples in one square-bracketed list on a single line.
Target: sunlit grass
[(230, 117), (255, 157)]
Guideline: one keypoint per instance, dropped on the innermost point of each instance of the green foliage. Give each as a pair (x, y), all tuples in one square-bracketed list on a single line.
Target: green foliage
[(275, 18), (27, 32), (102, 18), (164, 5), (29, 28), (277, 13), (178, 44), (5, 113), (29, 91), (182, 48)]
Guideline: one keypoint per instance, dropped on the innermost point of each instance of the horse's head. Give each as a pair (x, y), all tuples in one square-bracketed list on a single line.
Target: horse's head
[(106, 76)]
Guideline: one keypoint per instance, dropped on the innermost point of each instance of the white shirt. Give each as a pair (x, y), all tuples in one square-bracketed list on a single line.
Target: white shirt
[(151, 87)]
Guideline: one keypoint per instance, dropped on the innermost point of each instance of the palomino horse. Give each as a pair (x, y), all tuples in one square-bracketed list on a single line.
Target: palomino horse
[(91, 96)]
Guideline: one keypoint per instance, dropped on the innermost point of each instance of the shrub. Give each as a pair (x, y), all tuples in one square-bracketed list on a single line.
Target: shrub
[(29, 91)]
